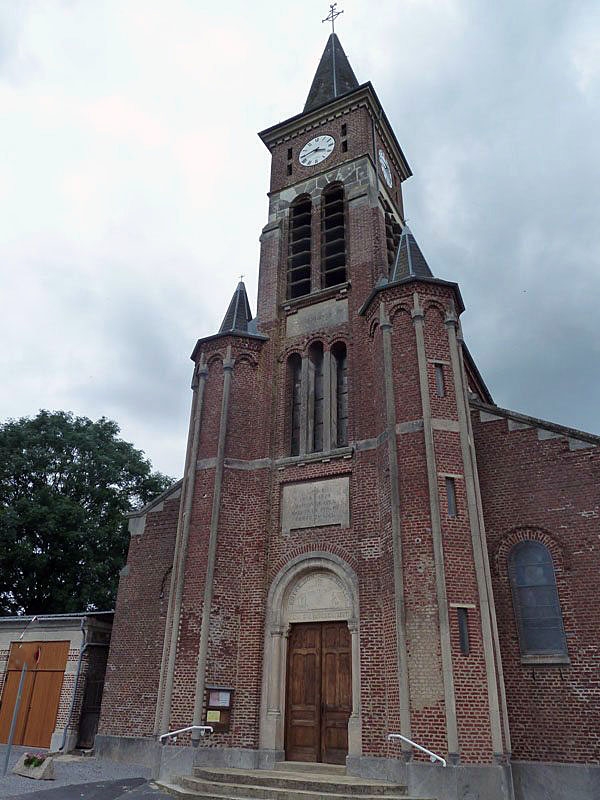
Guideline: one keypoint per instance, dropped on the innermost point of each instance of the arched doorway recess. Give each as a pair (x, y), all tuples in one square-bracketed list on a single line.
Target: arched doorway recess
[(316, 587)]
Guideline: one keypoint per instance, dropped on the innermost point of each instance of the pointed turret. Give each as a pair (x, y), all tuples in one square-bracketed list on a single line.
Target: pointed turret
[(238, 316), (334, 75), (410, 261)]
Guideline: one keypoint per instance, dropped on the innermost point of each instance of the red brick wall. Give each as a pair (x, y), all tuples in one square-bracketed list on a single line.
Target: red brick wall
[(542, 490), (132, 675)]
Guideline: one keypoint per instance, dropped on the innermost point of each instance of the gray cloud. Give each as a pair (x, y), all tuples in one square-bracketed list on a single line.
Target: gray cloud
[(135, 188)]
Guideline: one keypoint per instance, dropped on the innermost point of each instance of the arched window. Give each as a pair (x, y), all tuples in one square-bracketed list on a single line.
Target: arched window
[(339, 401), (299, 252), (535, 598), (295, 384), (317, 400), (333, 236), (316, 397)]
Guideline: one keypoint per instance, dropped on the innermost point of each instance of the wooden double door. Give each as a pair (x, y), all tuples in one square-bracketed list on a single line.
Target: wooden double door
[(319, 692), (38, 710)]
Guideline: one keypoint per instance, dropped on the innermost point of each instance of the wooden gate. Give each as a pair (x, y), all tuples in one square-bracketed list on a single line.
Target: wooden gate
[(46, 662), (319, 692)]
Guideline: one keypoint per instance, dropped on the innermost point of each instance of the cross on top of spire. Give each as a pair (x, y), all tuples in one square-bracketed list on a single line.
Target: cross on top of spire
[(334, 75), (332, 16)]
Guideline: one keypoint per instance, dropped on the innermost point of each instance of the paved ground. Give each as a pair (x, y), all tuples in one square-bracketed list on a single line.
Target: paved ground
[(127, 789), (79, 778)]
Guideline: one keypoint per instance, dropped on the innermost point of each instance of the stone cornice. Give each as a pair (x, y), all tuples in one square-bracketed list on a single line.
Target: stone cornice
[(364, 95), (405, 282), (257, 337), (525, 421)]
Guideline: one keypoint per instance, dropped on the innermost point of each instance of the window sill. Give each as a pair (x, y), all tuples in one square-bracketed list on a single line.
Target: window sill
[(545, 660), (315, 458), (320, 294)]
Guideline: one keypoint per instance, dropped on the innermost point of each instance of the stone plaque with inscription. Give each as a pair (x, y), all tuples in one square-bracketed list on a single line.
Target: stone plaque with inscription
[(315, 504), (322, 315)]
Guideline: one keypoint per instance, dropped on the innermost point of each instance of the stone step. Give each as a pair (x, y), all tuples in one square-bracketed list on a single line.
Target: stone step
[(195, 789), (319, 782), (309, 766)]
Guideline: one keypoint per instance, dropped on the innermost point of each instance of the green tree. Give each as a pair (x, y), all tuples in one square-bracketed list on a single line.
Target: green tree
[(66, 484)]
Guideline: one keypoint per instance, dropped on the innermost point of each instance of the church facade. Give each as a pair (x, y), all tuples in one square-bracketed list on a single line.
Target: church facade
[(362, 543)]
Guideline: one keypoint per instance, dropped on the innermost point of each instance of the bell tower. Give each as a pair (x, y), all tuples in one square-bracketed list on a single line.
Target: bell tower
[(335, 200)]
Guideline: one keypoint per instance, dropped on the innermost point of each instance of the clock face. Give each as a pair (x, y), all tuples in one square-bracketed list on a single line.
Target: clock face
[(317, 150), (385, 168)]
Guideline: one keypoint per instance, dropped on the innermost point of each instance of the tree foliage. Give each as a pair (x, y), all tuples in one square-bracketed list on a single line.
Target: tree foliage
[(66, 484)]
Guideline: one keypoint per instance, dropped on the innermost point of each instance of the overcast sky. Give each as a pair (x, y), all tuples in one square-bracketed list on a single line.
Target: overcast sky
[(133, 187)]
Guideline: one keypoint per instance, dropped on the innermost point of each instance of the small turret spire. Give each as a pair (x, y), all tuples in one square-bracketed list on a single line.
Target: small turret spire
[(410, 261), (238, 315)]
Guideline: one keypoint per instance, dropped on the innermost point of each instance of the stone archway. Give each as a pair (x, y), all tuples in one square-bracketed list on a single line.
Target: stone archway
[(316, 587)]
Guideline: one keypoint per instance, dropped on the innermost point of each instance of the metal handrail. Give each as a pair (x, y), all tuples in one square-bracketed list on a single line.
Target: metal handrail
[(172, 735), (432, 756)]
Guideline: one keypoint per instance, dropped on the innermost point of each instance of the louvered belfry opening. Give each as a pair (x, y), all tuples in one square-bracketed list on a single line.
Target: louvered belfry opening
[(393, 231), (339, 405), (333, 251), (299, 257), (295, 384)]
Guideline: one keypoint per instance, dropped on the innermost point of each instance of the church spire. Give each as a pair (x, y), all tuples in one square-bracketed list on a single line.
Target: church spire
[(238, 314), (334, 75)]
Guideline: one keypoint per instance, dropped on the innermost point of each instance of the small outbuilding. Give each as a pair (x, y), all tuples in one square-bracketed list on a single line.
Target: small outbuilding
[(63, 657)]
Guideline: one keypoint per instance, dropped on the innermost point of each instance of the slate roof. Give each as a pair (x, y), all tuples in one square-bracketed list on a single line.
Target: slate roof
[(334, 76), (410, 261), (238, 316)]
